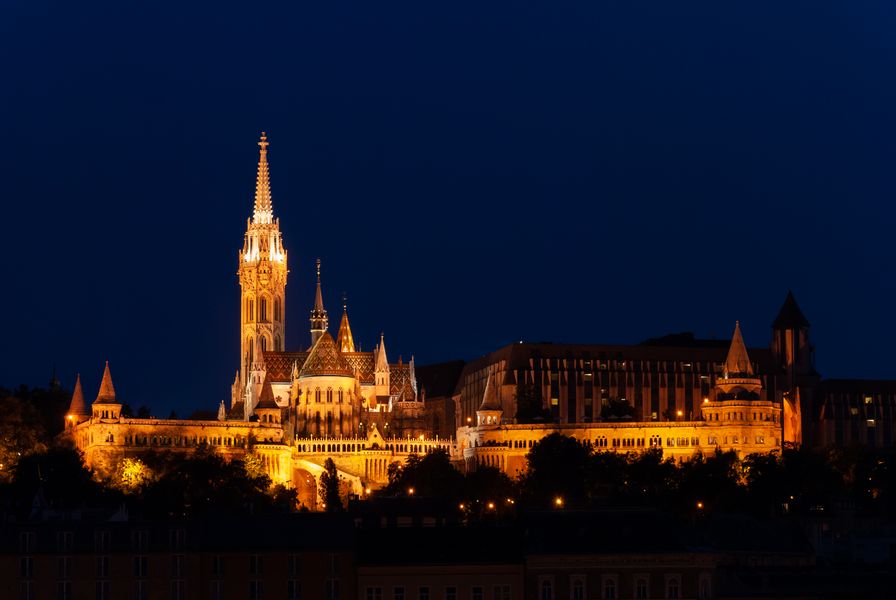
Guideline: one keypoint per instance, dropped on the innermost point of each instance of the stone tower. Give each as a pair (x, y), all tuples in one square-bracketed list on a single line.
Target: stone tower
[(262, 272), (795, 361)]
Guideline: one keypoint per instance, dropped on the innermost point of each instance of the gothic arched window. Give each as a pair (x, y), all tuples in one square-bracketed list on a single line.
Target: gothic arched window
[(277, 343), (340, 396), (263, 309), (250, 310), (317, 395), (277, 309), (329, 395), (264, 340)]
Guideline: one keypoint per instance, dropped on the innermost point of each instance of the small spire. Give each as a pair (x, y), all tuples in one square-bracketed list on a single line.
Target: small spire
[(382, 363), (344, 340), (78, 407), (264, 211), (490, 396), (222, 412), (106, 394), (319, 320), (738, 362)]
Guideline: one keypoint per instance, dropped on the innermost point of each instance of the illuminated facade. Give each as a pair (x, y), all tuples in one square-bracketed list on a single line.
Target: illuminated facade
[(734, 414), (297, 407), (294, 408)]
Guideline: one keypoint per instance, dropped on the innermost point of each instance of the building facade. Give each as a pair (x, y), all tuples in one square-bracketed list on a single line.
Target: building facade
[(297, 404)]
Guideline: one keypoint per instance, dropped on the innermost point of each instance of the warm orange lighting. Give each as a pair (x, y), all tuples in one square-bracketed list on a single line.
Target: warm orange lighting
[(461, 506), (679, 413), (700, 505), (706, 401), (410, 491), (558, 502), (491, 506), (367, 491), (469, 419)]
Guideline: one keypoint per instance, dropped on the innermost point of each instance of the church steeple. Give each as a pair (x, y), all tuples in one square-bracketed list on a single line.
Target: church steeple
[(319, 320), (344, 340), (264, 210), (262, 272)]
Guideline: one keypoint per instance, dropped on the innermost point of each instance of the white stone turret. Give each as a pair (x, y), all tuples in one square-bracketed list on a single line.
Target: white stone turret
[(490, 412)]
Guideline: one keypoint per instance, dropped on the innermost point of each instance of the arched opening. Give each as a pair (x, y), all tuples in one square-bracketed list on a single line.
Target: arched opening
[(277, 309), (263, 309)]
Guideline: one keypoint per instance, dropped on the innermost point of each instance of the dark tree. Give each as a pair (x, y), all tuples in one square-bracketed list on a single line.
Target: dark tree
[(430, 475), (143, 412), (652, 480), (22, 433), (556, 469), (606, 472), (329, 487)]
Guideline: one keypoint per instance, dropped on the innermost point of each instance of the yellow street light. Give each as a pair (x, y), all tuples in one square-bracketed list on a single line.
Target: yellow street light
[(410, 491), (558, 502), (491, 505), (700, 505)]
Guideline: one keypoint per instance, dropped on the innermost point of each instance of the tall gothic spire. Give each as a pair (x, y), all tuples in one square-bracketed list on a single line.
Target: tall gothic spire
[(737, 363), (319, 320), (264, 210), (344, 340)]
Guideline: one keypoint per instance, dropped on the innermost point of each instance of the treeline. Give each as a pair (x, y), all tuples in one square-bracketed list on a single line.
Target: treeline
[(157, 485), (563, 472)]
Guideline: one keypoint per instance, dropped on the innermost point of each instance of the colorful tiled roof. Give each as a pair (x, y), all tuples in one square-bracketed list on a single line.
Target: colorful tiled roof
[(325, 359)]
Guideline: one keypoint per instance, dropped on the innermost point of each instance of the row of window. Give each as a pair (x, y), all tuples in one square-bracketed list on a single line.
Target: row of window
[(425, 592), (262, 315), (610, 590), (102, 540)]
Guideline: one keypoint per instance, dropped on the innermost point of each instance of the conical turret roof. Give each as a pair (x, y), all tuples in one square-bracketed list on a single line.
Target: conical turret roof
[(106, 394), (790, 316), (266, 398), (77, 406), (382, 362), (490, 396), (344, 340), (738, 362), (325, 359)]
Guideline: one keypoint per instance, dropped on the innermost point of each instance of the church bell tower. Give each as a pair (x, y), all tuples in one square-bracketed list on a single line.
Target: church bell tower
[(262, 272)]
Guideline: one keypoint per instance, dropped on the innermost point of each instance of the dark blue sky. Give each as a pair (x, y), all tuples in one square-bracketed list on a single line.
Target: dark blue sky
[(470, 173)]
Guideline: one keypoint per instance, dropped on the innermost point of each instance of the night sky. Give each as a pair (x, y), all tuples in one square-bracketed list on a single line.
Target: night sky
[(470, 174)]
